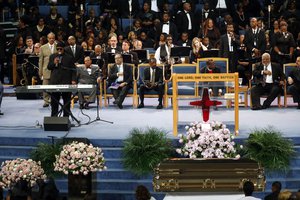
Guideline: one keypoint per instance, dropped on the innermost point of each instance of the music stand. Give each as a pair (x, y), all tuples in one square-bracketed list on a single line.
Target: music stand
[(87, 53), (127, 58), (21, 57), (143, 55), (211, 53), (110, 57), (34, 60), (180, 52)]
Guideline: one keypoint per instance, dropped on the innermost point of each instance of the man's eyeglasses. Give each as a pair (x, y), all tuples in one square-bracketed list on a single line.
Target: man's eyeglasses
[(59, 49)]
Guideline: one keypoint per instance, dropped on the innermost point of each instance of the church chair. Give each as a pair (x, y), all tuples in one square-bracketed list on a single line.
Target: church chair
[(251, 84), (185, 89), (287, 68), (131, 93), (140, 77)]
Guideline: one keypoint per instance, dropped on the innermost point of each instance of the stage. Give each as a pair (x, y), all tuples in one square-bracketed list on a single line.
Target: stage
[(23, 118)]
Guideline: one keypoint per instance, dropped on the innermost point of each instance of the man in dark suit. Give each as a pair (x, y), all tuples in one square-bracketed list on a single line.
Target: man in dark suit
[(211, 68), (269, 78), (185, 20), (129, 8), (153, 80), (126, 51), (100, 59), (228, 47), (63, 71), (276, 187), (87, 74), (255, 40), (120, 80), (156, 5), (294, 82), (74, 50), (167, 26), (113, 48), (184, 40)]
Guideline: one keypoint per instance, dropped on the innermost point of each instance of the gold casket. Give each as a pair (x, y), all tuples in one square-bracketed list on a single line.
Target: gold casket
[(207, 175)]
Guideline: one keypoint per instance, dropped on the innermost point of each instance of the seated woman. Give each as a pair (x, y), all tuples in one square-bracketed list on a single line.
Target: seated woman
[(197, 51)]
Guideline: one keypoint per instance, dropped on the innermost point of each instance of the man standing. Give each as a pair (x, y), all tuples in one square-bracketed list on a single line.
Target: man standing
[(63, 71), (153, 80), (44, 73), (185, 20), (74, 50), (269, 79), (228, 47), (120, 80), (294, 82), (87, 74)]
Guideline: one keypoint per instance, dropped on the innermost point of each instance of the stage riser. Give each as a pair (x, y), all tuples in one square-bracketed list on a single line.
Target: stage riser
[(116, 183)]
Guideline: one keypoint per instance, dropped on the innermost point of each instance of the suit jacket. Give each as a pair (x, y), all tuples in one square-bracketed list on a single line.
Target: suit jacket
[(118, 49), (277, 73), (64, 72), (124, 8), (182, 22), (84, 77), (127, 73), (295, 75), (79, 53), (188, 43), (44, 56), (160, 3), (158, 75), (260, 41), (204, 70), (224, 45), (172, 30)]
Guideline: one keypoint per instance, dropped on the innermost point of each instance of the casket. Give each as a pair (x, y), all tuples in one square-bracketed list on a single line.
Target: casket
[(207, 175)]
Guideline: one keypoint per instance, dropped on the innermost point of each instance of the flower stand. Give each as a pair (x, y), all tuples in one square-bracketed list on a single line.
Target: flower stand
[(79, 186)]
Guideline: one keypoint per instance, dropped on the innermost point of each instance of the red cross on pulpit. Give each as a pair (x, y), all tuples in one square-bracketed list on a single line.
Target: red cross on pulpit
[(206, 103)]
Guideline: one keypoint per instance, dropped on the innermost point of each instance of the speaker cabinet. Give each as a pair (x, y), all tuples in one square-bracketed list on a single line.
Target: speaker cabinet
[(57, 124)]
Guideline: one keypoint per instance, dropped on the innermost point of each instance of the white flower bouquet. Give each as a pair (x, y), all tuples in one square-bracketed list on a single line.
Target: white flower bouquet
[(207, 140), (13, 171), (79, 158)]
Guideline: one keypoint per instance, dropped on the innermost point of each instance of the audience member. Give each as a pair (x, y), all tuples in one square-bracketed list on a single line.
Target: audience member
[(120, 80), (29, 45), (294, 83), (184, 40), (269, 78), (285, 195), (197, 51), (63, 71), (212, 68), (113, 48), (276, 187), (142, 193), (74, 50), (126, 51), (167, 26), (211, 31), (44, 72), (152, 80), (185, 20), (248, 189)]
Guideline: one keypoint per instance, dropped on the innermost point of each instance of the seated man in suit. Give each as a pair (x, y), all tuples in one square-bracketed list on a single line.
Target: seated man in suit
[(212, 68), (153, 80), (87, 74), (269, 79), (294, 82), (120, 80)]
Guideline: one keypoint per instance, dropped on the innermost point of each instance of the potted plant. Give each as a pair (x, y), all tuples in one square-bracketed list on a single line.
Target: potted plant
[(144, 149), (269, 148), (78, 160)]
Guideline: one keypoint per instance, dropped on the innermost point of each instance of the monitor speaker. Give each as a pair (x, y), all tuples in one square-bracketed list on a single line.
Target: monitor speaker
[(57, 124)]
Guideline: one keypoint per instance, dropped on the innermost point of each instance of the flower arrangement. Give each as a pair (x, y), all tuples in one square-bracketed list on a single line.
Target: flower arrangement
[(207, 140), (12, 171), (79, 158)]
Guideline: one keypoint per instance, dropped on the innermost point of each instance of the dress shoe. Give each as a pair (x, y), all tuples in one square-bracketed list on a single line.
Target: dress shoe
[(159, 106), (81, 106), (265, 107), (141, 105), (87, 106), (256, 108), (1, 113), (298, 107), (45, 105), (120, 106)]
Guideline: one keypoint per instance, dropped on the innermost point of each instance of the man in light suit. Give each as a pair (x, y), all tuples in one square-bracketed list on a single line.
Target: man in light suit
[(120, 75), (228, 47), (74, 50), (269, 79), (152, 83), (87, 74), (45, 52)]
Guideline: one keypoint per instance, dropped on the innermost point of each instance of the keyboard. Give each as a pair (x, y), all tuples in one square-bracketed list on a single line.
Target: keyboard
[(55, 88)]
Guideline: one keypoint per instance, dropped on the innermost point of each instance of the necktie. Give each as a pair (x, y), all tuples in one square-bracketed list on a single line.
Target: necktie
[(73, 50), (51, 48), (153, 76)]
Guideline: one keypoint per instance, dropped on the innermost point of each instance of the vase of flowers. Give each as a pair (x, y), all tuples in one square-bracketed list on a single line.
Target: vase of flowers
[(19, 174), (207, 140), (78, 160)]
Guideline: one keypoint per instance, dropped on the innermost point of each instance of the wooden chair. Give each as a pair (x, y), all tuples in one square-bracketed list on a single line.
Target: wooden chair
[(140, 77), (186, 89), (131, 93), (263, 96), (287, 68)]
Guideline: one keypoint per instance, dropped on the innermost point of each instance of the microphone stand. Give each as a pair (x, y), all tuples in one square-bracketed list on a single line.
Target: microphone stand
[(98, 110)]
